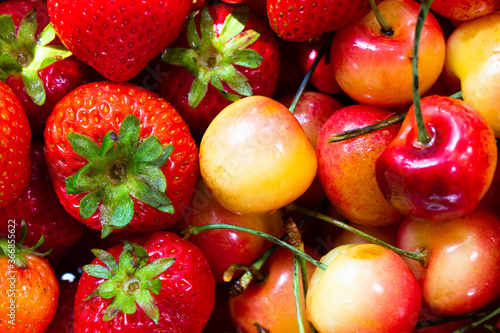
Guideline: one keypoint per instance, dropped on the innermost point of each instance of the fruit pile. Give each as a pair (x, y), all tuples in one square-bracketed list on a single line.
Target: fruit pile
[(249, 166)]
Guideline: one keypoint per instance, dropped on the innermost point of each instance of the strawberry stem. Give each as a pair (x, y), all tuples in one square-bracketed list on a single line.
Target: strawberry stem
[(322, 51), (385, 28), (423, 135), (421, 257)]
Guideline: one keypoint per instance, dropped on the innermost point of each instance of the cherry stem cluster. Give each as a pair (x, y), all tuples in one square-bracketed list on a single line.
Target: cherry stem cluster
[(385, 28), (192, 230), (323, 50), (421, 257)]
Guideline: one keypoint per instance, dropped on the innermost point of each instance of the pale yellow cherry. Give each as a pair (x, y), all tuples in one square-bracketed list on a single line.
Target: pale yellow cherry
[(255, 157)]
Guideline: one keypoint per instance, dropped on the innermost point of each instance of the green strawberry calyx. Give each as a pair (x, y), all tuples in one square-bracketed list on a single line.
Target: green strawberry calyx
[(15, 251), (22, 53), (129, 282), (211, 58), (124, 166)]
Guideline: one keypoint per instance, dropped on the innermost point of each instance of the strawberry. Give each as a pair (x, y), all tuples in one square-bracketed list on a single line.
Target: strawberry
[(34, 64), (299, 21), (41, 209), (15, 145), (118, 38), (162, 284), (120, 157), (223, 54), (28, 288)]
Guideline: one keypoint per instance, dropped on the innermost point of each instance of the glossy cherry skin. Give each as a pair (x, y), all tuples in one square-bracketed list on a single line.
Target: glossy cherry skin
[(446, 177), (464, 10), (346, 169), (323, 77), (463, 270), (223, 247), (366, 288), (374, 68)]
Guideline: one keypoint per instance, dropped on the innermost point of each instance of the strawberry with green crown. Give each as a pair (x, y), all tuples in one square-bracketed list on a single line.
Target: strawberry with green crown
[(28, 287), (33, 62), (162, 283), (223, 54), (120, 157)]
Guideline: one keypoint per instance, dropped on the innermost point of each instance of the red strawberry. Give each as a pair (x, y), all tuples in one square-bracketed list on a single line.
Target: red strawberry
[(15, 145), (298, 21), (35, 64), (28, 288), (163, 284), (41, 209), (224, 53), (120, 157), (118, 38)]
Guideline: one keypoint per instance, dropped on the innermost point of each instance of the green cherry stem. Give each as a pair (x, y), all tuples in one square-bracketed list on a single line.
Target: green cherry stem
[(309, 73), (296, 293), (421, 257), (479, 321), (192, 230), (448, 319), (457, 95), (423, 135), (240, 285), (354, 133), (350, 134), (385, 28)]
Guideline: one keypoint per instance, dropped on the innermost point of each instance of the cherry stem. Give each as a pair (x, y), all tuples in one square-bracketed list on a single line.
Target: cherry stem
[(192, 230), (305, 81), (421, 257), (350, 134), (385, 28), (423, 135), (240, 285), (354, 133), (457, 95), (448, 319), (296, 293), (479, 322), (229, 273)]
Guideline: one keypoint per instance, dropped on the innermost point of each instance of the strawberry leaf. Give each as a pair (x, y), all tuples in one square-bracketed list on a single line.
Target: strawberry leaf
[(149, 150), (193, 38), (131, 282), (247, 58), (234, 24), (106, 258), (27, 28), (98, 271), (123, 167), (212, 59), (90, 203)]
